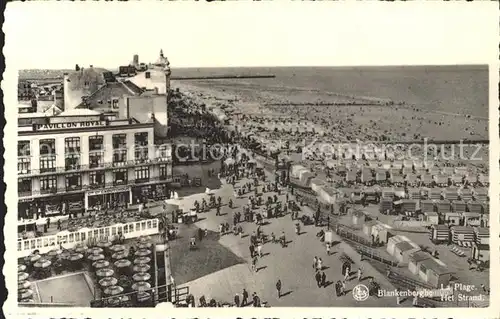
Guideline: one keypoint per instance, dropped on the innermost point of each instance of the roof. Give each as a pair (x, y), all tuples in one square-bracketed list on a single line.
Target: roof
[(79, 112), (420, 256), (434, 266), (404, 246), (109, 91)]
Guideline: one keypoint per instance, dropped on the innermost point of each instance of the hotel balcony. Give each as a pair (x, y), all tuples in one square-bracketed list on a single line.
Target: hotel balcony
[(92, 167)]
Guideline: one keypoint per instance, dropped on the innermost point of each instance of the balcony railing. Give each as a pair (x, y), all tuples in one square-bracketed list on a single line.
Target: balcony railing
[(130, 182), (85, 167), (73, 188)]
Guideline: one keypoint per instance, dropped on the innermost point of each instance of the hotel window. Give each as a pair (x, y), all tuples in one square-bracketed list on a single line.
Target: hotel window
[(141, 139), (72, 145), (23, 165), (73, 182), (164, 151), (23, 185), (96, 159), (72, 161), (120, 176), (96, 178), (47, 164), (163, 171), (142, 174), (48, 147), (23, 148), (119, 156), (96, 143), (48, 183), (141, 153), (115, 103), (119, 141)]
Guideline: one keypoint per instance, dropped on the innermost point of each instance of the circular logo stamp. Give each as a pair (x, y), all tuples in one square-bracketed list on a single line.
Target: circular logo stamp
[(360, 292)]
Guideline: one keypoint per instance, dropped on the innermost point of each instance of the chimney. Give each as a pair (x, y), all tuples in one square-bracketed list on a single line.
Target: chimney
[(156, 90), (91, 66), (147, 75)]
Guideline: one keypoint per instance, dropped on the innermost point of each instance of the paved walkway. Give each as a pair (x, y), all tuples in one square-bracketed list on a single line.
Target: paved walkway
[(292, 265)]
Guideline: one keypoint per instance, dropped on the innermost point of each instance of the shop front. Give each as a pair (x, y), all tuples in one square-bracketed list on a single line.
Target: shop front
[(154, 192), (60, 205), (107, 198), (26, 209)]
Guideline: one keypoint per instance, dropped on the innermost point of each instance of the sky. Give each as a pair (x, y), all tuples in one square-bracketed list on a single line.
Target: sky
[(200, 34)]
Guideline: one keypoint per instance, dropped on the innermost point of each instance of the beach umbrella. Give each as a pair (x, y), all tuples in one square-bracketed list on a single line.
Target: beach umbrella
[(120, 255), (25, 293), (117, 248), (105, 272), (23, 284), (21, 268), (100, 264), (65, 254), (113, 290), (141, 286), (27, 300), (142, 260), (108, 281), (95, 251), (54, 252), (96, 257), (81, 249), (143, 239), (104, 244), (22, 276), (141, 268), (141, 276), (143, 296), (122, 263), (144, 245), (75, 257), (35, 258), (43, 263), (143, 252)]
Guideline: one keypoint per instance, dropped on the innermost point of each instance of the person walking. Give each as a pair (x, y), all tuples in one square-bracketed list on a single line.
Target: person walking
[(259, 249), (315, 263), (278, 288), (360, 274), (254, 264), (342, 288), (320, 264), (323, 279), (318, 279), (237, 300), (251, 250), (328, 247), (244, 300)]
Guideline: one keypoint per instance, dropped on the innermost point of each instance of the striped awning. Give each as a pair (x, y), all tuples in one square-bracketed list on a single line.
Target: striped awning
[(465, 244)]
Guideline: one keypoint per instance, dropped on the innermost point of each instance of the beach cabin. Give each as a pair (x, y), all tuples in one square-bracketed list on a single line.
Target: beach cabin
[(368, 226), (465, 194), (462, 171), (295, 169), (471, 219), (453, 218), (407, 170), (433, 170), (386, 165), (380, 232), (386, 205), (397, 180), (351, 177), (380, 177), (328, 194), (367, 177), (482, 235), (480, 252), (408, 164), (358, 217), (426, 180), (388, 192), (451, 194), (480, 194), (400, 247), (475, 206), (427, 205), (408, 206), (435, 194), (439, 234), (341, 170), (471, 179), (414, 193), (443, 206), (316, 184), (483, 180), (417, 165), (461, 234), (458, 206), (448, 170), (332, 164), (486, 208), (428, 164), (415, 259), (430, 217), (399, 192), (441, 180), (398, 165), (434, 272), (456, 179), (411, 180)]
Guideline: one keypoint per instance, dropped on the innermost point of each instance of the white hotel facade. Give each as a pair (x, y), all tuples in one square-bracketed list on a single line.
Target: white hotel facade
[(79, 159)]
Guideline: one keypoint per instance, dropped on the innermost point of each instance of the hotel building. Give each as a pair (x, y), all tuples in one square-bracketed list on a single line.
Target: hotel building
[(79, 159)]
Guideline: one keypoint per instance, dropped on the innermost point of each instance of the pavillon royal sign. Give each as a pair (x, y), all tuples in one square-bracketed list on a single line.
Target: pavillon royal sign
[(68, 125)]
